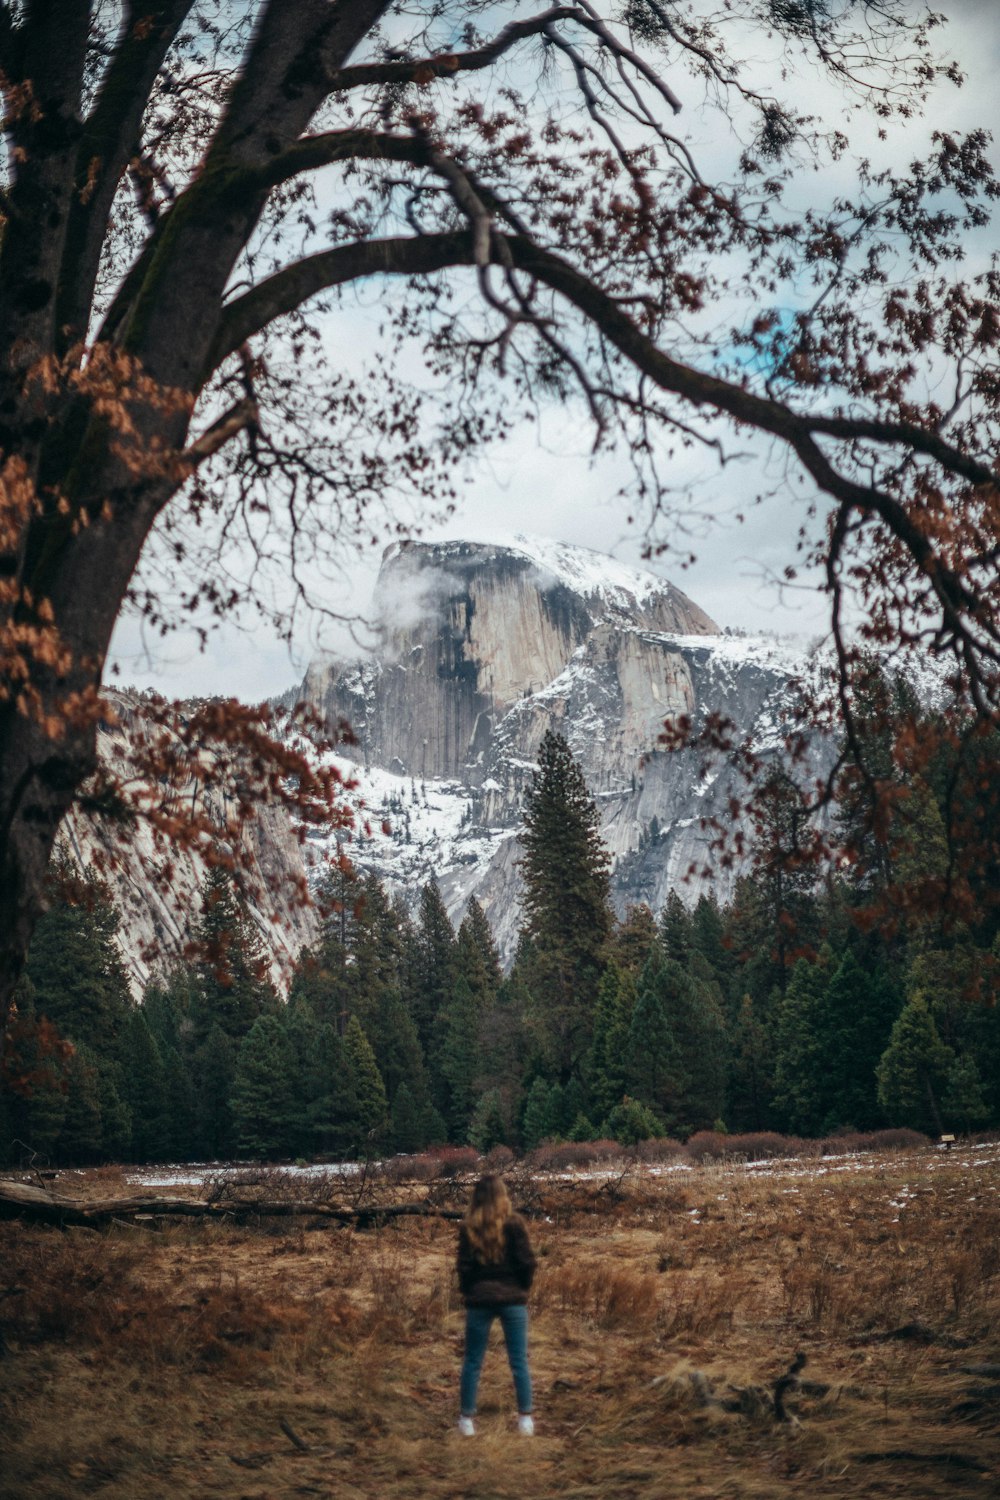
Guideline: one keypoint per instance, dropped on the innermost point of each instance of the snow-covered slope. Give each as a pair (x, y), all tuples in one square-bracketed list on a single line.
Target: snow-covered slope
[(483, 648)]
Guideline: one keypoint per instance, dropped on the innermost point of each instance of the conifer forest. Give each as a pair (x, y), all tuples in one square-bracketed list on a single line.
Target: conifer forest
[(788, 1011)]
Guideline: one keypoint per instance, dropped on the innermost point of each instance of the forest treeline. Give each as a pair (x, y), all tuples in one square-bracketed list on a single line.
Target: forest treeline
[(807, 1005)]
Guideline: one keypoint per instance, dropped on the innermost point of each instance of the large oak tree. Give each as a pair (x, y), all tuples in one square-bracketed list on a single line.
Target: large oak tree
[(188, 181)]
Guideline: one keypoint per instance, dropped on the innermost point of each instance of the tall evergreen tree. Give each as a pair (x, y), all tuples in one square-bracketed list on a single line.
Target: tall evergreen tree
[(784, 876), (913, 1071), (854, 1021), (633, 940), (263, 1091), (607, 1064), (460, 1058), (233, 984), (76, 971), (708, 938), (81, 1138), (433, 970), (675, 929), (701, 1045), (477, 960), (566, 903), (487, 1127), (652, 1059), (213, 1066), (798, 1051), (750, 1087), (541, 1112), (365, 1104), (145, 1091)]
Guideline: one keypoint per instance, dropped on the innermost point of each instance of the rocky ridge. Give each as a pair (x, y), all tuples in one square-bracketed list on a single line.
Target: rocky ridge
[(483, 648)]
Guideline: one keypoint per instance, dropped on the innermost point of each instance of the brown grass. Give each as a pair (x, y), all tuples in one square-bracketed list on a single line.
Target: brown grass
[(211, 1360)]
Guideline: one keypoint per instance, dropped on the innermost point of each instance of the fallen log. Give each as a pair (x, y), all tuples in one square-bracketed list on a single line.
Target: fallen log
[(22, 1200)]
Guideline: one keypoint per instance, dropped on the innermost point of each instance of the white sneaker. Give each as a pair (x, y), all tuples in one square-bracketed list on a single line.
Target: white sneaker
[(526, 1424), (466, 1426)]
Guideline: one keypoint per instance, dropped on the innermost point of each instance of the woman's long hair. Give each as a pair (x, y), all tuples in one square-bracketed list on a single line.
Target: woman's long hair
[(488, 1211)]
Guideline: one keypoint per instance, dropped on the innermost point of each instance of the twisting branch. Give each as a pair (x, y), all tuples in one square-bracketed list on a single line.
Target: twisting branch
[(450, 64)]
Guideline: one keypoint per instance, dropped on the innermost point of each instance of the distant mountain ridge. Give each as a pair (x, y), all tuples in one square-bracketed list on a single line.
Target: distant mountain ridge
[(482, 647)]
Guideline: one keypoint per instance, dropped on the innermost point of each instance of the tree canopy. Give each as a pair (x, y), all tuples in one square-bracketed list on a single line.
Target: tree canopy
[(189, 184)]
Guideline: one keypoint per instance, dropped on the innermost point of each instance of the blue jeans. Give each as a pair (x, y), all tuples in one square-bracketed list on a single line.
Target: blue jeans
[(478, 1322)]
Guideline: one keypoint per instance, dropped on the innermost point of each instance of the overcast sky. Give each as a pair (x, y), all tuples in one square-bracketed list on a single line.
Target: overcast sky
[(544, 481)]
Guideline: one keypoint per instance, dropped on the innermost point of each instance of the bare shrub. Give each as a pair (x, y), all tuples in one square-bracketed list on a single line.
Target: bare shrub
[(454, 1161), (706, 1145), (754, 1145), (846, 1142), (658, 1149), (421, 1168), (766, 1145), (561, 1156), (500, 1159)]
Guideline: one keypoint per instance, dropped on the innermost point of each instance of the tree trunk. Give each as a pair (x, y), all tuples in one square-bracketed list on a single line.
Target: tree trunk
[(22, 1200)]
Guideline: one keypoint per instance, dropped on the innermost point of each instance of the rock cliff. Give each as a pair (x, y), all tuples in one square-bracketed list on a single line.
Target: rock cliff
[(158, 915), (482, 649)]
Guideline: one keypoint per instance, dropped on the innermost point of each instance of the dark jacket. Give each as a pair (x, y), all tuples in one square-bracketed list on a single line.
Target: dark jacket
[(506, 1282)]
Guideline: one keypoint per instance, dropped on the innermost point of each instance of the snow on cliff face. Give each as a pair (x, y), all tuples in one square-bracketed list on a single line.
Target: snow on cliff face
[(484, 648)]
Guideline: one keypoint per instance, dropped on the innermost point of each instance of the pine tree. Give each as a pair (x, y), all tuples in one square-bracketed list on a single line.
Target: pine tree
[(433, 970), (365, 1100), (504, 1044), (323, 974), (652, 1070), (540, 1111), (213, 1066), (145, 1091), (881, 702), (80, 1139), (798, 1052), (914, 1068), (632, 1121), (375, 954), (487, 1127), (708, 939), (566, 903), (853, 1023), (460, 1058), (675, 930), (607, 1063), (76, 971), (784, 877), (702, 1049), (233, 987), (962, 1102), (476, 958), (406, 1125), (750, 1088), (181, 1106), (397, 1048), (325, 1092), (633, 940), (263, 1092)]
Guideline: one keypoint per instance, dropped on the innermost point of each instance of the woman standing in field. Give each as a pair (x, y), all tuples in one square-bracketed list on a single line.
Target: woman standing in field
[(496, 1265)]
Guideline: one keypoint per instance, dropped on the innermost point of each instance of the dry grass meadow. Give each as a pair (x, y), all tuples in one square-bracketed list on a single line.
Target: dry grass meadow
[(283, 1359)]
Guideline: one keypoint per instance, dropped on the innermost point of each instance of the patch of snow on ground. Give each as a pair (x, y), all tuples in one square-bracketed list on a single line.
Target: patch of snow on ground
[(975, 1155)]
